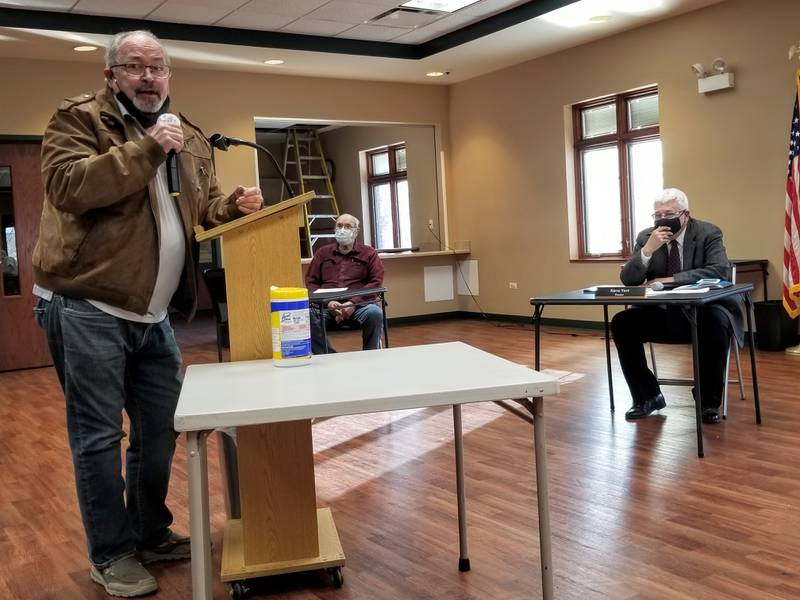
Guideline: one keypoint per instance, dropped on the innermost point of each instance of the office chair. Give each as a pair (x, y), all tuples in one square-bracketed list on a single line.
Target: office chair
[(732, 345), (215, 282)]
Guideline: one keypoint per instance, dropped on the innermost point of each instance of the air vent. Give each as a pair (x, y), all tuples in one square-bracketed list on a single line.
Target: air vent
[(408, 18)]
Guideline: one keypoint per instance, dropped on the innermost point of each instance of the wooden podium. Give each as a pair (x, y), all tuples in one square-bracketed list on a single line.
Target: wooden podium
[(280, 530)]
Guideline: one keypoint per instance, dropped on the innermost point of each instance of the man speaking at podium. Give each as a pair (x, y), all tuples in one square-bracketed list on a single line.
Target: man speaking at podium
[(681, 250), (116, 249)]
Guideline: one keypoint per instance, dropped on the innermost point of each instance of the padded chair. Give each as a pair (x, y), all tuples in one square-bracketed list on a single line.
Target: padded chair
[(732, 346), (215, 282)]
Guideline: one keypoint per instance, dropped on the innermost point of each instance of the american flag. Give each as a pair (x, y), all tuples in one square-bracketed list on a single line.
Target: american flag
[(791, 236)]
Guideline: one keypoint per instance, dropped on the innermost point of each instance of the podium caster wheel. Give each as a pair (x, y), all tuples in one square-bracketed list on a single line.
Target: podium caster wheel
[(336, 576), (238, 590)]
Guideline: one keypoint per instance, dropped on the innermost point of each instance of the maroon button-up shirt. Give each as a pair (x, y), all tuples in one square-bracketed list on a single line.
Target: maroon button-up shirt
[(358, 269)]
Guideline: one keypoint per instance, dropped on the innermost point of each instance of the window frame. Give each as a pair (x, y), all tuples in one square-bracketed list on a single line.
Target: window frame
[(393, 177), (622, 140)]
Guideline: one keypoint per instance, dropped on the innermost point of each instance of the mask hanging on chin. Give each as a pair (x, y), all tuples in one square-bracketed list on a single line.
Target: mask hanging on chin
[(146, 119), (674, 224)]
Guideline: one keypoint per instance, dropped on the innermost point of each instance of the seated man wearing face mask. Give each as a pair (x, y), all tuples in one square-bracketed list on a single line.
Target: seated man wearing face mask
[(349, 264), (680, 250)]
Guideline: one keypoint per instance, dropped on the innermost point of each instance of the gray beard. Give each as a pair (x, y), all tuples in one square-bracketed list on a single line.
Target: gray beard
[(148, 105)]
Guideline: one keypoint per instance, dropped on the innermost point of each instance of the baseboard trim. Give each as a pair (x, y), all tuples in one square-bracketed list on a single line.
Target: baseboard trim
[(418, 319), (520, 319)]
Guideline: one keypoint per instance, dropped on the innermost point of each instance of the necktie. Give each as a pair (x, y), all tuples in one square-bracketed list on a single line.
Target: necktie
[(674, 260)]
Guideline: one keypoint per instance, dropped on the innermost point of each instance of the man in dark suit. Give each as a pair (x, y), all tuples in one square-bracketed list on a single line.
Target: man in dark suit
[(678, 249)]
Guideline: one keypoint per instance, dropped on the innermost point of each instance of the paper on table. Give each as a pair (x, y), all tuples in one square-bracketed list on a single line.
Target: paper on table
[(650, 292), (328, 290)]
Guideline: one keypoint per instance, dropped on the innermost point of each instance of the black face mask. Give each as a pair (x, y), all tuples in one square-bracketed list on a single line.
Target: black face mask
[(146, 119), (674, 224)]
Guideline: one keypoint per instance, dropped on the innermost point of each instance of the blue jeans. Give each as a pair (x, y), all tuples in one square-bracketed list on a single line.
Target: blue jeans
[(368, 317), (107, 365)]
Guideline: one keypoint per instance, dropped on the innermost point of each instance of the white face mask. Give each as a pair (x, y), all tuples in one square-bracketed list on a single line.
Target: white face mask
[(343, 236)]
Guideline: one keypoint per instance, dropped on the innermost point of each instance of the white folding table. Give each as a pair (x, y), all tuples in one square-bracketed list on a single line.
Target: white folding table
[(256, 392)]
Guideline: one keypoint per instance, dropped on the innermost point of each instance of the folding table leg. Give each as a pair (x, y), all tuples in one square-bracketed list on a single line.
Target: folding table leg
[(540, 454), (463, 555), (198, 515)]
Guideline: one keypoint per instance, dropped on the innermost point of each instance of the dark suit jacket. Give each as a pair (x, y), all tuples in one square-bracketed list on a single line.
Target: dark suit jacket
[(704, 257)]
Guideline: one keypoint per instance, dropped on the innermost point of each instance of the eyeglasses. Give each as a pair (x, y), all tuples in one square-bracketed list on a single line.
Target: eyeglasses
[(137, 70), (671, 215), (346, 226)]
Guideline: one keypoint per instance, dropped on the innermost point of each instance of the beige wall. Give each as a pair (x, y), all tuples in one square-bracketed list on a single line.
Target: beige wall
[(343, 146), (405, 295), (33, 89), (507, 178), (726, 150)]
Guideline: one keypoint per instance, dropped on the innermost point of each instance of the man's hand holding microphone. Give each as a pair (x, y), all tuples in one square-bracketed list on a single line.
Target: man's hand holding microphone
[(168, 133)]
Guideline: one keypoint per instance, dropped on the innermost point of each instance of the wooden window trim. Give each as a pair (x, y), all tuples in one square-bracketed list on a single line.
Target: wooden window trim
[(622, 139), (392, 178)]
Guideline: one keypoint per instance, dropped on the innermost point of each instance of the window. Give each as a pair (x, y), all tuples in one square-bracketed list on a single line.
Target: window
[(387, 179), (618, 171)]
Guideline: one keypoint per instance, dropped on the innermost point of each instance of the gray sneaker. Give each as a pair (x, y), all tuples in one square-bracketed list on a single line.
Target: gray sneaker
[(176, 547), (126, 578)]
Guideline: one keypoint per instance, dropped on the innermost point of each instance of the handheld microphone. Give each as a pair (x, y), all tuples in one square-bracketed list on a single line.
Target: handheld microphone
[(173, 175)]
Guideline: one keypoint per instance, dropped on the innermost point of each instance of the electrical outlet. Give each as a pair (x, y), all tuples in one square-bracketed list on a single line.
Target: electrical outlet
[(512, 285), (430, 223)]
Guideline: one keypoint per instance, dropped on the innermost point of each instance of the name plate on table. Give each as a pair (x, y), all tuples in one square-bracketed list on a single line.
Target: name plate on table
[(618, 291)]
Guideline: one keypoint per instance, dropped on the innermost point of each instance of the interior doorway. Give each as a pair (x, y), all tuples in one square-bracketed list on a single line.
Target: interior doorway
[(22, 343)]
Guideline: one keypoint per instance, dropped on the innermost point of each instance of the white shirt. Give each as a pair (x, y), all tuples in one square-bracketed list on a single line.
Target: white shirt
[(171, 254)]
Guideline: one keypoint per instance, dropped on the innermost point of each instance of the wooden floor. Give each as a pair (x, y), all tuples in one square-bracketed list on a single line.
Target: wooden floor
[(635, 514)]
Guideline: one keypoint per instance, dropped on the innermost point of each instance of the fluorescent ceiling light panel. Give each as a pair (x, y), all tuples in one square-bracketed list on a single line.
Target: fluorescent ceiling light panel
[(580, 13), (440, 5)]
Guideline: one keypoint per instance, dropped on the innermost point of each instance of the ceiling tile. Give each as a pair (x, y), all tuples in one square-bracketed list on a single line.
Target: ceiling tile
[(384, 5), (117, 8), (415, 37), (226, 5), (452, 22), (316, 27), (289, 8), (346, 11), (246, 19), (437, 28), (375, 33), (204, 12), (40, 4)]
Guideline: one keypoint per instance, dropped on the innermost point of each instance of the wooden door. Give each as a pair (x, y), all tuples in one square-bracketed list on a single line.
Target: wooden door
[(22, 343)]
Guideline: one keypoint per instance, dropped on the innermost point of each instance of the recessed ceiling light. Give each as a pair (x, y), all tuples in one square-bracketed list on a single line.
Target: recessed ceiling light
[(85, 48), (435, 74), (440, 5), (274, 61)]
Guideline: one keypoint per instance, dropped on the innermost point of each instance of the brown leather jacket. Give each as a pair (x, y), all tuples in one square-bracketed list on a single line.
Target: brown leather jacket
[(98, 237)]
